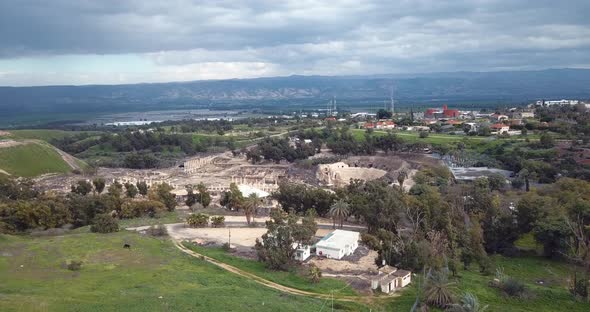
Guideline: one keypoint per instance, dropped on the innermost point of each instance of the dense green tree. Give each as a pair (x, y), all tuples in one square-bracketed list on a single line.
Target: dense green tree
[(203, 197), (104, 223), (99, 185), (554, 234), (130, 190), (162, 193), (82, 187), (142, 187)]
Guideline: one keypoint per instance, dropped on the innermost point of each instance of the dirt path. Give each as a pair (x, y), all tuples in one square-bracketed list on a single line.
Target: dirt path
[(10, 143), (69, 159), (273, 285)]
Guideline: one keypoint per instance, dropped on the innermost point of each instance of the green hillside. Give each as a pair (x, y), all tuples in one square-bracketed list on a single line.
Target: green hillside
[(46, 134), (29, 160), (152, 276)]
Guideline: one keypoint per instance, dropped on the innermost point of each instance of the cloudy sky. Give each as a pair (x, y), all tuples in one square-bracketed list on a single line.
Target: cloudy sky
[(127, 41)]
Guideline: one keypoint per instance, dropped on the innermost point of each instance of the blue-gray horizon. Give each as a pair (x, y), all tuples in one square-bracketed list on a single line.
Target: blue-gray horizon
[(63, 42)]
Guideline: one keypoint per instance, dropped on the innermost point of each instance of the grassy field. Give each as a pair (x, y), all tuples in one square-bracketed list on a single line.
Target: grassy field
[(46, 134), (291, 279), (152, 276), (552, 295), (29, 160), (164, 218)]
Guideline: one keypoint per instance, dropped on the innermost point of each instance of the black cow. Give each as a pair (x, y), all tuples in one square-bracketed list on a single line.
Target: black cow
[(127, 246)]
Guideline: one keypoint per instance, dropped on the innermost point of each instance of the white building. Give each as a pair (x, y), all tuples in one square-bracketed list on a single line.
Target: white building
[(247, 190), (337, 244), (558, 102), (302, 252), (390, 279)]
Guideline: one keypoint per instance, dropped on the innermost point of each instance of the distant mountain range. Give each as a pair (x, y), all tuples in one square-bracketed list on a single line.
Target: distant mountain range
[(506, 86)]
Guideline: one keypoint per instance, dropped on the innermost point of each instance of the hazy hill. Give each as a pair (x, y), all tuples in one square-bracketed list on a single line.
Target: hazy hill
[(513, 86)]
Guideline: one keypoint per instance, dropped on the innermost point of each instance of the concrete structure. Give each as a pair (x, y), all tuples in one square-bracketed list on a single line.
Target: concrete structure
[(389, 279), (558, 102), (248, 190), (340, 173), (472, 173), (302, 252), (337, 244), (194, 164)]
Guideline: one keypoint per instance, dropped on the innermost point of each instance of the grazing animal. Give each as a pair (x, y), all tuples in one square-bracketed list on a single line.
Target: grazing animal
[(127, 246)]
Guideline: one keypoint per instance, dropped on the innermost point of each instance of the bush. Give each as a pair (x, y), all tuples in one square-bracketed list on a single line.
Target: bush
[(423, 134), (218, 221), (157, 230), (512, 287), (104, 223), (74, 265), (198, 220), (226, 247), (134, 209)]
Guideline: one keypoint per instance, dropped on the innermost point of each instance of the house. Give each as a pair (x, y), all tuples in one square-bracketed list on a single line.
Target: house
[(498, 117), (337, 244), (386, 124), (450, 113), (389, 279), (302, 252), (499, 128), (523, 114)]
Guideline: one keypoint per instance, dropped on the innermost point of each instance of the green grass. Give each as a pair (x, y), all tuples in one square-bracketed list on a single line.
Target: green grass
[(291, 279), (527, 242), (46, 134), (551, 296), (152, 276), (29, 160), (166, 217)]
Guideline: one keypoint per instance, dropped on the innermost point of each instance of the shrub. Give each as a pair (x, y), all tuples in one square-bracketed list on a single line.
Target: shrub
[(579, 287), (157, 230), (423, 134), (315, 274), (226, 247), (197, 220), (74, 265), (218, 221), (134, 209), (104, 223), (513, 287)]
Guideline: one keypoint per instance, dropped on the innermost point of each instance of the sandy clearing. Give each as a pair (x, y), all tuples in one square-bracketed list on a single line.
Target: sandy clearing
[(364, 264), (10, 143)]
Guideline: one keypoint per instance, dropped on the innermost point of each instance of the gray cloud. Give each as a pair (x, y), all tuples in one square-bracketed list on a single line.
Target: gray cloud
[(307, 36)]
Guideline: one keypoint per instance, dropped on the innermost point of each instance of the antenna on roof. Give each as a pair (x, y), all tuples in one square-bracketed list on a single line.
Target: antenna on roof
[(392, 102)]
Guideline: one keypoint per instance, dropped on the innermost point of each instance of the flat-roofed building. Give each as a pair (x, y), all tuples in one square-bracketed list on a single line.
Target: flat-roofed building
[(337, 244)]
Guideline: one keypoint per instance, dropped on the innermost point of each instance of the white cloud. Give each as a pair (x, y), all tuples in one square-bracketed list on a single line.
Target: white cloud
[(185, 39)]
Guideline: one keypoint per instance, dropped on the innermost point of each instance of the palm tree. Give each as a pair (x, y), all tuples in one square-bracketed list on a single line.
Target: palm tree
[(469, 303), (437, 290), (339, 210), (250, 205), (315, 274)]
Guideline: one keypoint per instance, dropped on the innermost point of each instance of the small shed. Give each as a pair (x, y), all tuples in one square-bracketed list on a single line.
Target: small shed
[(337, 244), (389, 279), (302, 252)]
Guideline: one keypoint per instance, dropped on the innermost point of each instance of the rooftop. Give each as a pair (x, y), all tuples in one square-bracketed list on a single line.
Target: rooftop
[(338, 239), (472, 173)]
